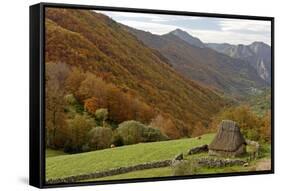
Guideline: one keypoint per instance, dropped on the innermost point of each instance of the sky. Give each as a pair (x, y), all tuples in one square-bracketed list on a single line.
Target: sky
[(208, 30)]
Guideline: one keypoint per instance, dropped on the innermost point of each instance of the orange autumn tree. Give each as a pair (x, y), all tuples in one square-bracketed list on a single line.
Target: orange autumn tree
[(91, 105), (198, 129), (166, 125), (266, 127), (56, 74), (95, 93)]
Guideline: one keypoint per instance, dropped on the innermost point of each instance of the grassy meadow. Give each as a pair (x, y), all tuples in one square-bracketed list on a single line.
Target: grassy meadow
[(67, 165), (59, 164)]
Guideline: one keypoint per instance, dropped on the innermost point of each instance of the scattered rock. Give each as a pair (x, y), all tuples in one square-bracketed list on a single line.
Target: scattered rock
[(200, 149), (179, 157), (213, 162), (255, 151)]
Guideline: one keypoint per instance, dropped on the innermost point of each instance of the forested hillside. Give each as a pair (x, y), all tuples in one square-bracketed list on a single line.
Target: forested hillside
[(102, 65)]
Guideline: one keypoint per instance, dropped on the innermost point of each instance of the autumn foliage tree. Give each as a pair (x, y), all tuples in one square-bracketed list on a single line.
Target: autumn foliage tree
[(78, 129), (198, 129), (122, 106), (249, 123), (166, 125), (74, 79), (266, 127), (91, 105), (56, 74)]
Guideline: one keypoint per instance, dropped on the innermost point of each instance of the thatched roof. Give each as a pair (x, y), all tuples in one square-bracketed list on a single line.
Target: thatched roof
[(228, 137)]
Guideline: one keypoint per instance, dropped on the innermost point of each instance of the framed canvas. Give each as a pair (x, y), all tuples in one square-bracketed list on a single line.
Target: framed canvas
[(122, 95)]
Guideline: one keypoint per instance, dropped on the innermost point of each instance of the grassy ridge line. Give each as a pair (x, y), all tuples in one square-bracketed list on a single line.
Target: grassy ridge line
[(70, 165)]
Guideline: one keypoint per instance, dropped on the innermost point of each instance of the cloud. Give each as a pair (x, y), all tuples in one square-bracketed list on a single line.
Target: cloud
[(155, 28), (228, 36), (129, 15), (244, 25)]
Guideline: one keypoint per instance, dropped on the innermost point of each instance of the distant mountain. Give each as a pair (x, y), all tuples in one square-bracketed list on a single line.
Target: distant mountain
[(99, 45), (230, 76), (188, 38), (258, 54)]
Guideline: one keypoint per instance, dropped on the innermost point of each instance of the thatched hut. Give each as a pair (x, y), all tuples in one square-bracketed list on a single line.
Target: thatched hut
[(228, 141)]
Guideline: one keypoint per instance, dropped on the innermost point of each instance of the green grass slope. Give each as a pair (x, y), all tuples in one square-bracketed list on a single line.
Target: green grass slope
[(67, 165), (168, 171), (54, 153)]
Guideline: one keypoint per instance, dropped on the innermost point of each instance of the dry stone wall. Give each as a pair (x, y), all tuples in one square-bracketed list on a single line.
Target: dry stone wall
[(111, 172)]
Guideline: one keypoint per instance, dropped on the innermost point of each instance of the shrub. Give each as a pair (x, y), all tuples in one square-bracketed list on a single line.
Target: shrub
[(73, 106), (117, 139), (133, 132), (78, 128), (101, 115), (100, 138), (70, 99)]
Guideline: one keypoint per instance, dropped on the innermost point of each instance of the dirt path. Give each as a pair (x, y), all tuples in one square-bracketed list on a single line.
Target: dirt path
[(264, 165)]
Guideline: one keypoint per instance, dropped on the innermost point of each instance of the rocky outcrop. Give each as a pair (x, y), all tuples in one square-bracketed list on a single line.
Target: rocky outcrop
[(200, 149)]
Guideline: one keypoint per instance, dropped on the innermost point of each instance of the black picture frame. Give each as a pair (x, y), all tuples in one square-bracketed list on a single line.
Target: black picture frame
[(37, 93)]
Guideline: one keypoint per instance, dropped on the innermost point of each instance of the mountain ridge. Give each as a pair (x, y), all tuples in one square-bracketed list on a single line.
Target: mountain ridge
[(188, 38), (258, 54), (203, 65)]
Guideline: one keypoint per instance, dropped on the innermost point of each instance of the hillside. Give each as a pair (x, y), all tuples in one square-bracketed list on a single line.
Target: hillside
[(258, 54), (96, 44), (189, 57), (260, 102)]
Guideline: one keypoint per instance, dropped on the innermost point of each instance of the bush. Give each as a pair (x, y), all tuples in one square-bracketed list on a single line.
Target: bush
[(70, 99), (133, 132), (100, 138), (101, 115), (73, 106), (117, 139), (78, 128)]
